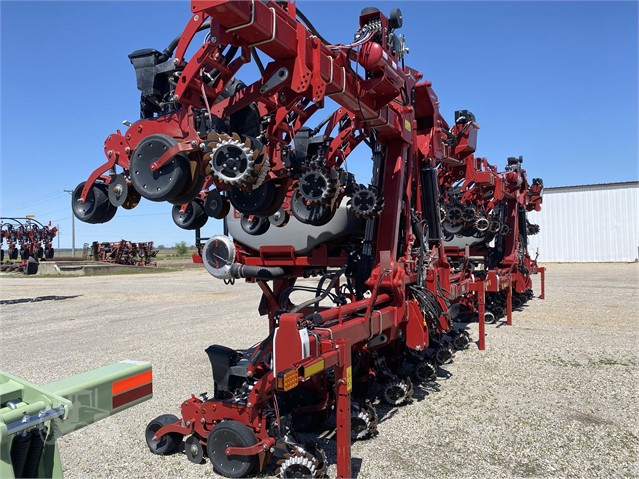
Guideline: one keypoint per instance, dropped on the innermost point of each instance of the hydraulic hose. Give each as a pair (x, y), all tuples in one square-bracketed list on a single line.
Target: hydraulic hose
[(168, 51), (256, 272)]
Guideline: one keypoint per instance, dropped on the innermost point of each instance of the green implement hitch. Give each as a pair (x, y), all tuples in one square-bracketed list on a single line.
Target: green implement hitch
[(32, 418)]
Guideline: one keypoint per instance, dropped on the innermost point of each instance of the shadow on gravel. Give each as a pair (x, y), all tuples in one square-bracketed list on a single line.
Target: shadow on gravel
[(37, 299)]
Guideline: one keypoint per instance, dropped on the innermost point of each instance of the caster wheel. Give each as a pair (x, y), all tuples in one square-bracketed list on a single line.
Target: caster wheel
[(225, 434), (489, 317), (168, 443), (97, 208)]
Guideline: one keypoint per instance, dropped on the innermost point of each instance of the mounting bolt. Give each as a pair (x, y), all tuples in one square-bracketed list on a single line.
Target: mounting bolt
[(176, 62), (110, 153), (249, 404), (202, 145), (127, 150), (175, 98), (188, 423), (213, 39), (265, 447), (196, 18), (203, 421), (193, 143)]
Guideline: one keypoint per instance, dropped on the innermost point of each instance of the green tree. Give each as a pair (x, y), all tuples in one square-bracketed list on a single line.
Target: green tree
[(181, 248)]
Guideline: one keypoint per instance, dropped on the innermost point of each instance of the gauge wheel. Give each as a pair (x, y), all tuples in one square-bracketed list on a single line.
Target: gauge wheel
[(231, 433)]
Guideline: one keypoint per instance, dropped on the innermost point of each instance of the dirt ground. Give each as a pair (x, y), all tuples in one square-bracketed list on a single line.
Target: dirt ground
[(554, 395)]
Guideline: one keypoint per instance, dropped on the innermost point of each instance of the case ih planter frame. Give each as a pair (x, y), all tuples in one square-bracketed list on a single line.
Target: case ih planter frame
[(439, 236)]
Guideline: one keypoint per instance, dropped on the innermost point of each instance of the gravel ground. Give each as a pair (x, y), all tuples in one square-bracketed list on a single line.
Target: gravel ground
[(554, 395)]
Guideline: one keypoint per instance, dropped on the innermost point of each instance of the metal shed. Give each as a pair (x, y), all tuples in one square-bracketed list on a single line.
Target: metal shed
[(588, 223)]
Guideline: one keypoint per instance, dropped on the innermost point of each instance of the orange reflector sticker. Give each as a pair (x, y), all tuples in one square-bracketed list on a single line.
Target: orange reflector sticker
[(132, 382)]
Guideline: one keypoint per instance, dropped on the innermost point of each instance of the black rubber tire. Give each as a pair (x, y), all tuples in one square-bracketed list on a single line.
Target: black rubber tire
[(168, 443), (31, 266), (13, 254), (191, 191), (257, 226), (216, 206), (317, 215), (1, 255), (169, 181), (51, 253), (192, 218), (231, 433), (262, 201), (95, 206)]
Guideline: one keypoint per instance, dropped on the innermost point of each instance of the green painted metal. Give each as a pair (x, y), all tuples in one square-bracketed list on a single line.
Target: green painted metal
[(78, 400)]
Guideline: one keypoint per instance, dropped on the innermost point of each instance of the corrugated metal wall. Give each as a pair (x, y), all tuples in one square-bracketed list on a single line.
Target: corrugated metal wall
[(594, 223)]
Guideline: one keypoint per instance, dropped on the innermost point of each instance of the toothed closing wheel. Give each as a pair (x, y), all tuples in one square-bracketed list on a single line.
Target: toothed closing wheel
[(443, 355), (397, 392), (233, 161), (455, 215), (468, 214), (317, 187), (363, 422), (425, 371), (366, 203), (302, 464), (482, 224)]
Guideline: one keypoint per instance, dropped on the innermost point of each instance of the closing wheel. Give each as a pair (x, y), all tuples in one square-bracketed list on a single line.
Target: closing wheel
[(395, 393), (489, 317), (461, 341), (194, 450), (167, 443), (227, 434), (193, 216), (425, 371), (168, 181), (308, 462), (315, 215)]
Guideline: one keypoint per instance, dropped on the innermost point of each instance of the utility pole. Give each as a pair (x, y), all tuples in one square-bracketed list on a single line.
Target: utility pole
[(58, 235), (72, 225)]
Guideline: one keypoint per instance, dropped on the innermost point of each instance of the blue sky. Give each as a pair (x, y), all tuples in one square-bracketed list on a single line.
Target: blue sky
[(553, 81)]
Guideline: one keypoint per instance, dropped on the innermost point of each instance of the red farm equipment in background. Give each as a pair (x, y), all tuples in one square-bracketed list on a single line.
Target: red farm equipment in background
[(123, 252), (393, 270), (27, 238)]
